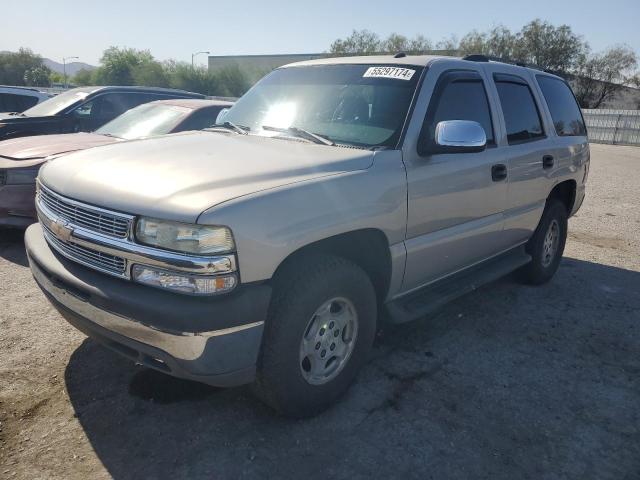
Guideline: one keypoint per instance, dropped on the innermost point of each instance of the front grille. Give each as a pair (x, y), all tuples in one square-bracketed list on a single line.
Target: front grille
[(85, 216), (86, 256), (3, 177)]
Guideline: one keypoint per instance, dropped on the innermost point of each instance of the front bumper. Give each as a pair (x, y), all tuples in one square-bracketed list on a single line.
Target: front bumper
[(214, 340), (17, 205)]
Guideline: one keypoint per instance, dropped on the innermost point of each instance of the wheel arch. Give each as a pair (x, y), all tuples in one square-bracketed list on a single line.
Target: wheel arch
[(565, 192), (368, 248)]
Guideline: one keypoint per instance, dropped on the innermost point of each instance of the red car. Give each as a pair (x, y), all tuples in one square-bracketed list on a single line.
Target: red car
[(21, 158)]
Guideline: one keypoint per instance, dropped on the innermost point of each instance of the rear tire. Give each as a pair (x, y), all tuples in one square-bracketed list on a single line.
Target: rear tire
[(321, 303), (546, 246)]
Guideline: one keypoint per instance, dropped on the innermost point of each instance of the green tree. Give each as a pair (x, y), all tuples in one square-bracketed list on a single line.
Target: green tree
[(14, 65), (56, 77), (232, 82), (37, 77), (118, 65), (83, 77), (399, 43), (360, 42), (449, 44), (151, 74), (549, 47), (600, 77), (498, 42)]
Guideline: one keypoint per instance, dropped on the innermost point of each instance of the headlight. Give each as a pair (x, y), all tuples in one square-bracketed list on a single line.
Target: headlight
[(22, 176), (182, 282), (184, 237)]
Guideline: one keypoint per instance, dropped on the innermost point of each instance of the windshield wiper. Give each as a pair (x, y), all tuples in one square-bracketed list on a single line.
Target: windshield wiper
[(302, 133), (240, 129), (17, 114)]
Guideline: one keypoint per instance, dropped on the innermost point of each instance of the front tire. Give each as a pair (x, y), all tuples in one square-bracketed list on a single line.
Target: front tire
[(320, 329), (546, 246)]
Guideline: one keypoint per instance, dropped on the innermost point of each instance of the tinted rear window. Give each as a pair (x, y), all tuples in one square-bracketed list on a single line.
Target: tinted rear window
[(520, 112), (564, 109)]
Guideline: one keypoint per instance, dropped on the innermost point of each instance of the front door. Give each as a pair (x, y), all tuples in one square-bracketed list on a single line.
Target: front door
[(455, 200)]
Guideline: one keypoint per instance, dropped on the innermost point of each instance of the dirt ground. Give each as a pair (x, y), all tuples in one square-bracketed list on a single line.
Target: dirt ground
[(509, 382)]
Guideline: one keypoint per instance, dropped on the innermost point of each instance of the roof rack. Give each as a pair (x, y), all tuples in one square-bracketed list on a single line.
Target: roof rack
[(477, 57)]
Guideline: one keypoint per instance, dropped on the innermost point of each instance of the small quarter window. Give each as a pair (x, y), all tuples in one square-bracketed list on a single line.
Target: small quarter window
[(564, 109), (521, 115)]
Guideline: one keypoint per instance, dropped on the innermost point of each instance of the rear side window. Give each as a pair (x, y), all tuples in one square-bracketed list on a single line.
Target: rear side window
[(458, 96), (564, 109), (521, 115), (16, 103)]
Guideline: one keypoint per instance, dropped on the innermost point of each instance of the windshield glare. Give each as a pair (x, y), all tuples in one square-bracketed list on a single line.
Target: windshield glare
[(344, 103), (56, 104), (145, 121)]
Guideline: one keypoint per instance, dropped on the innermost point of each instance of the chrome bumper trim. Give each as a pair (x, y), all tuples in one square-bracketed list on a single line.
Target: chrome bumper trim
[(180, 345), (135, 253)]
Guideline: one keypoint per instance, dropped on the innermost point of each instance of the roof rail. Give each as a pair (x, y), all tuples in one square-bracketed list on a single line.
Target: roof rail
[(476, 57), (490, 58)]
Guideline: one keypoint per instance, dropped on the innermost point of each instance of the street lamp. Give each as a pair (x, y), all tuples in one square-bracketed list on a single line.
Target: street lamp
[(193, 55), (64, 69)]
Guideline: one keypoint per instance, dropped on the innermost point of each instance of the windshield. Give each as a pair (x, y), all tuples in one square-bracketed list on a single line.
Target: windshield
[(362, 105), (144, 121), (57, 104)]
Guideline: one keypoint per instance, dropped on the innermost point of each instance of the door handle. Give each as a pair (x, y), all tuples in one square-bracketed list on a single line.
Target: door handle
[(498, 172), (547, 162)]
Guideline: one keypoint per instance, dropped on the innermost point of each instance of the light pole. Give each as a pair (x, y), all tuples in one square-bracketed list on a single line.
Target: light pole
[(64, 69), (193, 55)]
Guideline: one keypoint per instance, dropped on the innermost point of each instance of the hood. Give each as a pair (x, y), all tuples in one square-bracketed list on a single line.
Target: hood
[(41, 146), (177, 177)]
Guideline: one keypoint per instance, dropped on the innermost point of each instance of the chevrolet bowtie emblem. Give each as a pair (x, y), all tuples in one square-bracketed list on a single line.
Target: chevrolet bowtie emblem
[(61, 230)]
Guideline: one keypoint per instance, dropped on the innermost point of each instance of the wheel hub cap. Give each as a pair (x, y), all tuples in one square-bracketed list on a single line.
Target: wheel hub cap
[(328, 341), (550, 244)]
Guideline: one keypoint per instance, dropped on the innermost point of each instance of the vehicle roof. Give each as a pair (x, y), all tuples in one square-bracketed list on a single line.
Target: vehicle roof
[(23, 89), (94, 89), (194, 103), (409, 60)]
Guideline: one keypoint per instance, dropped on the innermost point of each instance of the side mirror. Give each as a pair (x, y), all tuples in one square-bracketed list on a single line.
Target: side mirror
[(221, 115), (459, 136)]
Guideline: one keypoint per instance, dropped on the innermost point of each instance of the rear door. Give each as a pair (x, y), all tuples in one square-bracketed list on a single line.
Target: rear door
[(570, 145), (524, 147), (454, 205)]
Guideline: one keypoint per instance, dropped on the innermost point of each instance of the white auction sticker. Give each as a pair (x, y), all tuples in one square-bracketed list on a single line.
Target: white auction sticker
[(389, 72)]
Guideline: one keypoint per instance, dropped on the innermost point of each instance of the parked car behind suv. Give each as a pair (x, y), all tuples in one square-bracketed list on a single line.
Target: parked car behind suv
[(21, 158), (337, 191), (82, 109), (18, 99)]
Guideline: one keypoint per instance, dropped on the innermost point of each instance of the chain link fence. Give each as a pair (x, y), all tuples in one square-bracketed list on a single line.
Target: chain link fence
[(617, 127)]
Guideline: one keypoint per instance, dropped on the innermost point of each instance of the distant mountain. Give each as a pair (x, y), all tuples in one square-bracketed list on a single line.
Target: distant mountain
[(72, 67)]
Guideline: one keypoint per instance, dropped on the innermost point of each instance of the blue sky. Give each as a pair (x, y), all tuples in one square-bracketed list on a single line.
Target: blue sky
[(173, 29)]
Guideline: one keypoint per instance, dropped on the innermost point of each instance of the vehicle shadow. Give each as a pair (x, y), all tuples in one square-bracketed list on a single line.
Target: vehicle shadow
[(12, 246), (507, 382)]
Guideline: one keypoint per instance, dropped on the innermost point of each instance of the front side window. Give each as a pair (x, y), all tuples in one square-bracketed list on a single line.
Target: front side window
[(361, 105), (521, 115), (458, 96), (144, 121), (563, 107)]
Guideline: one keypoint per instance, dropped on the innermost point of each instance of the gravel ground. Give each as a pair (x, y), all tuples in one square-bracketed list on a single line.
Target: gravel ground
[(508, 382)]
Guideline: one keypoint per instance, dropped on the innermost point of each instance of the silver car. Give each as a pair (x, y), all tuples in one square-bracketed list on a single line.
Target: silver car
[(336, 192)]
